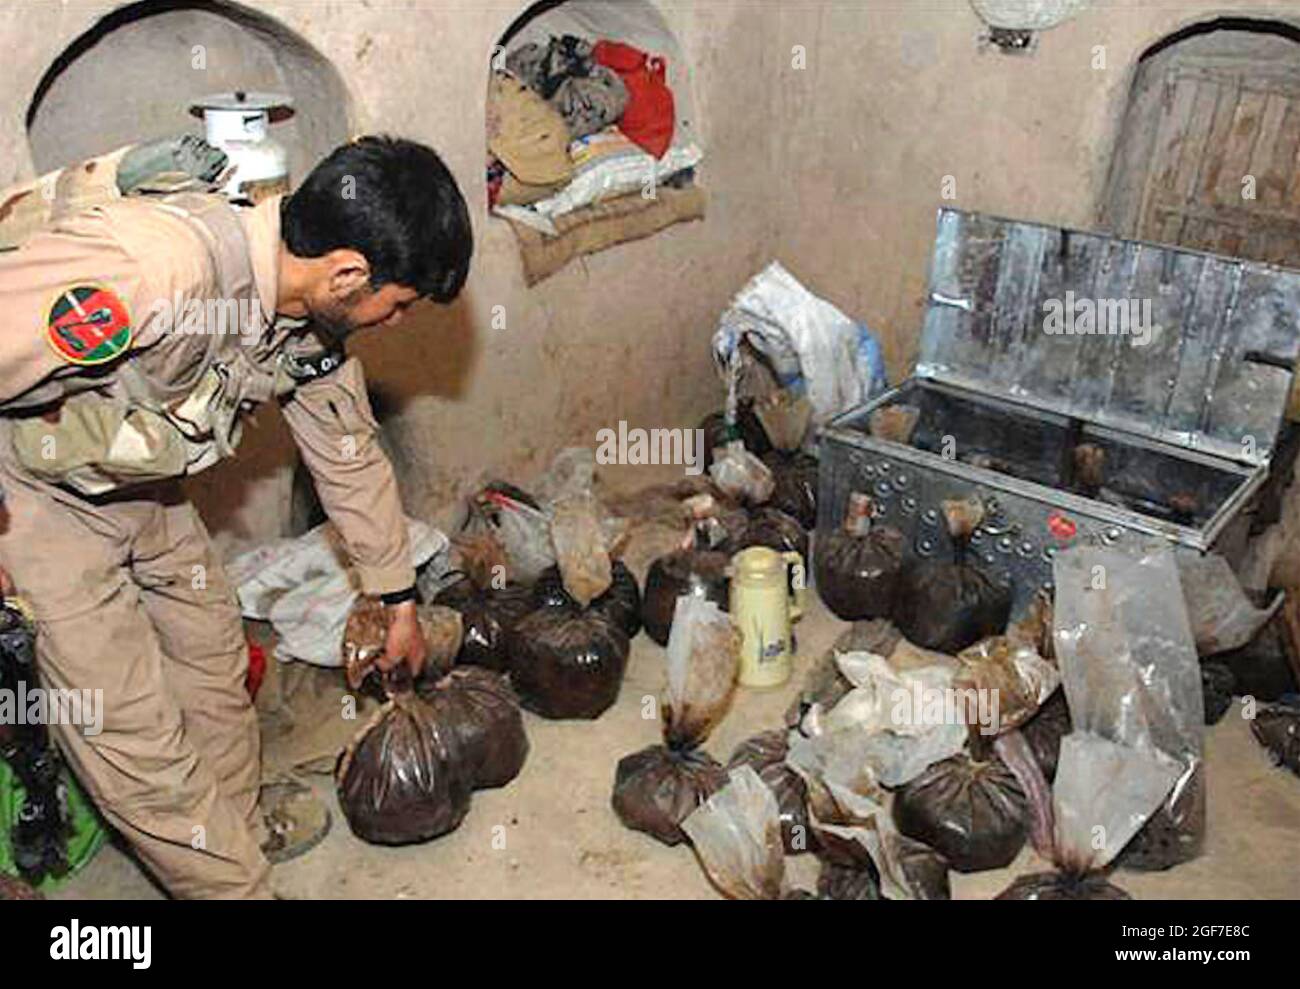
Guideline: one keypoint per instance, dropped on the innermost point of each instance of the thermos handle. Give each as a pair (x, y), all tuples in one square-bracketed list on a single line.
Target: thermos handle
[(796, 603)]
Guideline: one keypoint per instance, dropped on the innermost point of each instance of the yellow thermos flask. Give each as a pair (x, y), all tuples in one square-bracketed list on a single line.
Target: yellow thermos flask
[(762, 607)]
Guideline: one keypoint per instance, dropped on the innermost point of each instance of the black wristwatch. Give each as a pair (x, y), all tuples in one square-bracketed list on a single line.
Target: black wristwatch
[(398, 597)]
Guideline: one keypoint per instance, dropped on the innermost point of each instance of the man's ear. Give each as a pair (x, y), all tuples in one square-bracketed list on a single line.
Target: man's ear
[(349, 273)]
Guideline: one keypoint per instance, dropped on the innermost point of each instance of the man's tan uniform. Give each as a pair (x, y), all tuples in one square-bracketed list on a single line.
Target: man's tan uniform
[(96, 427)]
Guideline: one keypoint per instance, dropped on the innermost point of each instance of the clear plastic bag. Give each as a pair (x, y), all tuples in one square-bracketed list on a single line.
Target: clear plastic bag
[(656, 788), (1130, 672), (1105, 791), (580, 549), (1010, 671), (1222, 616), (740, 474), (737, 835)]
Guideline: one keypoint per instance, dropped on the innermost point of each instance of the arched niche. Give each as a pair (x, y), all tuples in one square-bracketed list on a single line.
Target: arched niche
[(1208, 155), (133, 75)]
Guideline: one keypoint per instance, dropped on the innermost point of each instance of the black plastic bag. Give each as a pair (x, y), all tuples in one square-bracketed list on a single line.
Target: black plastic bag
[(405, 777), (1262, 667), (658, 788), (765, 754), (948, 605), (843, 882), (481, 708), (488, 615), (1062, 886), (794, 491), (567, 662), (621, 604), (774, 529), (695, 572), (1277, 728), (975, 814), (857, 565), (1045, 730), (1217, 684)]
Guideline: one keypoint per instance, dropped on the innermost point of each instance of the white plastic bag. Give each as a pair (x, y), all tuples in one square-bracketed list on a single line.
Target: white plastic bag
[(302, 587), (834, 359)]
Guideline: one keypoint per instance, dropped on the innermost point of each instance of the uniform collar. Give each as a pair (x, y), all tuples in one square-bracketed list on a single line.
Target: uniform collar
[(262, 225)]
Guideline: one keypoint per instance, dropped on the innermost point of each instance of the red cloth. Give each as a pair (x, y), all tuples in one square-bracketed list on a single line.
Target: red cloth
[(256, 669), (650, 115)]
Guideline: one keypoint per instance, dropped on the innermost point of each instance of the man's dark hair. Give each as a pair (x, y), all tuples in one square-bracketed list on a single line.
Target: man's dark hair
[(395, 202)]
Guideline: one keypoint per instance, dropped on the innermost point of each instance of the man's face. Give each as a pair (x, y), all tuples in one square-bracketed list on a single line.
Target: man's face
[(339, 316)]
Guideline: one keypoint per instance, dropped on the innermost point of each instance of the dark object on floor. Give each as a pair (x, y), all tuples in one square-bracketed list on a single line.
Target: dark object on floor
[(765, 754), (1277, 728), (774, 529), (747, 428), (1262, 667), (657, 788), (621, 604), (949, 605), (794, 491), (1176, 831), (857, 566), (695, 572), (488, 616), (1045, 730), (1217, 684), (1062, 886), (567, 662), (975, 814), (405, 777), (479, 706), (39, 841), (843, 882), (925, 870)]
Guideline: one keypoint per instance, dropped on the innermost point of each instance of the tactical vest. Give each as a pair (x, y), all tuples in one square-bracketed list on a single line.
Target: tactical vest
[(174, 408)]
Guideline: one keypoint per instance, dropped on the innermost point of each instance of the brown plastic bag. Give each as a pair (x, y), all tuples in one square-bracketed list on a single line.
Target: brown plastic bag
[(405, 777), (482, 710), (655, 789)]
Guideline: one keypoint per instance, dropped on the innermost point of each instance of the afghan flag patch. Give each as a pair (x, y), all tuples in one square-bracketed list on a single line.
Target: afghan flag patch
[(88, 324)]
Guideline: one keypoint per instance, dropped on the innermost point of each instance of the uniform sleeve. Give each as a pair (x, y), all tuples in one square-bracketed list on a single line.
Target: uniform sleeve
[(33, 280), (337, 434), (69, 292)]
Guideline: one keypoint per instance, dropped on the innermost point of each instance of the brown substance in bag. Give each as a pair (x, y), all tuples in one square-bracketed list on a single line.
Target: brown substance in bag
[(482, 710), (857, 566), (487, 616), (696, 572), (657, 788), (566, 662), (1062, 886), (404, 778), (975, 814)]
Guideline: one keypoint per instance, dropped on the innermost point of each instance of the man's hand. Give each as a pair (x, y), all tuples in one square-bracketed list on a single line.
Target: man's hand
[(7, 588), (405, 640)]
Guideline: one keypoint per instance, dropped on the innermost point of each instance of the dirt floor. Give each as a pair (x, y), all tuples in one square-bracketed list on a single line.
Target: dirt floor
[(551, 833)]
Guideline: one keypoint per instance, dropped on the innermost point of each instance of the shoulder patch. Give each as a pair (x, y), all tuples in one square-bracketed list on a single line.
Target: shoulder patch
[(88, 324)]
